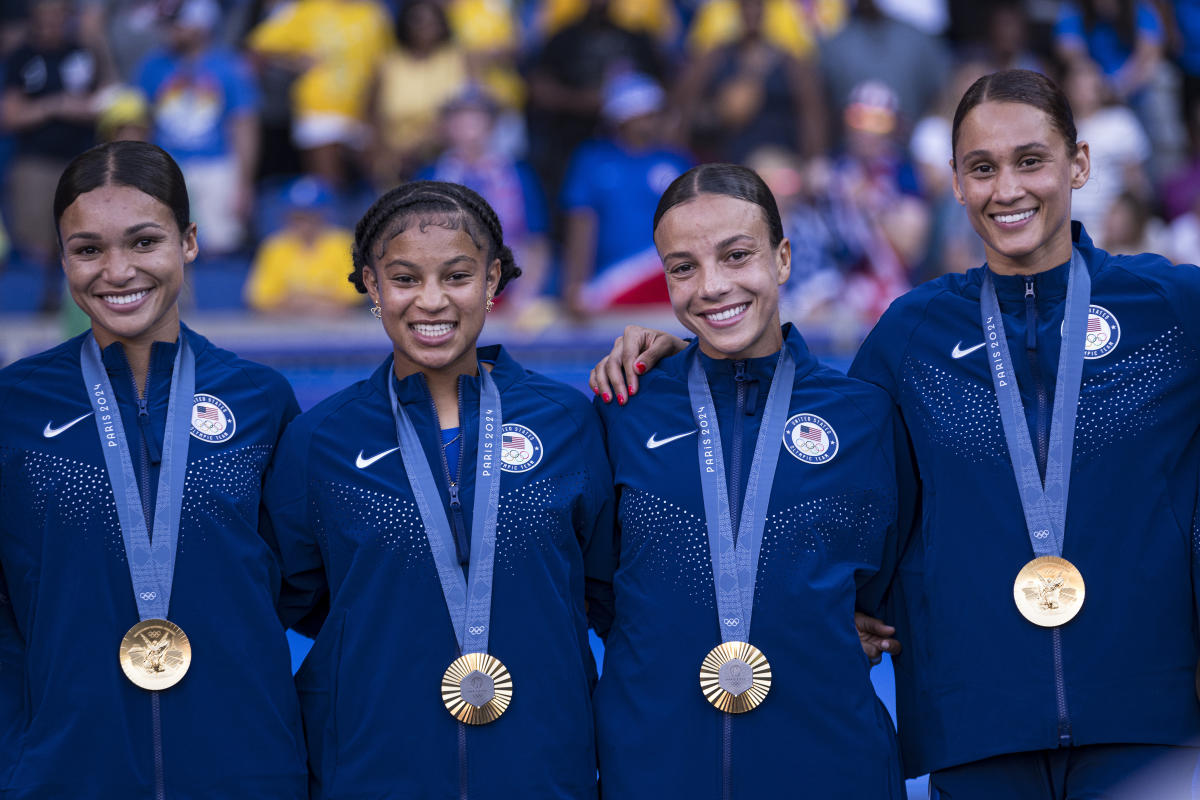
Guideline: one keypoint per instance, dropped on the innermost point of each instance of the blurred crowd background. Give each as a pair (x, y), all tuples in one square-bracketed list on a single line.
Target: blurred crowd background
[(571, 116)]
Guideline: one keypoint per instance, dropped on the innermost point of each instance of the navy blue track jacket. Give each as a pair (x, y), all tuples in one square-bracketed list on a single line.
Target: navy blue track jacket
[(77, 727), (343, 511), (975, 678), (831, 527)]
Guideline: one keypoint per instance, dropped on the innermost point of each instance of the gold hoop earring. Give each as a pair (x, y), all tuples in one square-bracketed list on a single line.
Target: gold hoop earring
[(376, 311), (490, 304)]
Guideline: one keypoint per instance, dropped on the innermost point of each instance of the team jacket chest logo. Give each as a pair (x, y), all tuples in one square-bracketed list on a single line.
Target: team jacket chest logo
[(520, 448), (810, 439), (1103, 333), (212, 421)]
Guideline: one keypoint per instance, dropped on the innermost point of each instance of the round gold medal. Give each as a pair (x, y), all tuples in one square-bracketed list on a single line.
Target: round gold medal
[(155, 654), (735, 677), (476, 688), (1049, 591)]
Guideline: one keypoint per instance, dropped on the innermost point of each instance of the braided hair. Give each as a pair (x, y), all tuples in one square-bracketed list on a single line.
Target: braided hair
[(430, 203)]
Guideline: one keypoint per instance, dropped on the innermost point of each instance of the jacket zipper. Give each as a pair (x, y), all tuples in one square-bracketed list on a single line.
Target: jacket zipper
[(458, 523), (143, 407), (1043, 444), (735, 514)]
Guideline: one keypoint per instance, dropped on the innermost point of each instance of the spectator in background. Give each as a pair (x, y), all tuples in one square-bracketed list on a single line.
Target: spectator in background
[(1183, 236), (790, 26), (333, 46), (413, 81), (566, 81), (511, 188), (204, 105), (612, 188), (1118, 145), (952, 244), (124, 116), (303, 269), (657, 18), (874, 47), (1129, 227), (1182, 18), (752, 91), (487, 32), (50, 85), (1125, 38), (1005, 42)]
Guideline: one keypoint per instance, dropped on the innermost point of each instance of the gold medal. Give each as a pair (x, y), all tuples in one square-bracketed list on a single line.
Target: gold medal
[(476, 688), (1049, 591), (735, 677), (155, 654)]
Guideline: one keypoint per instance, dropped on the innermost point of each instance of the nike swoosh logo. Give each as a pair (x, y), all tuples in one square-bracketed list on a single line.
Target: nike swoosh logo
[(958, 352), (363, 463), (50, 431), (652, 443)]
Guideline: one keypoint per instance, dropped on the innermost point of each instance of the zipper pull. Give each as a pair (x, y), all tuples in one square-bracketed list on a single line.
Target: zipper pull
[(1030, 315), (143, 409), (454, 503), (739, 371)]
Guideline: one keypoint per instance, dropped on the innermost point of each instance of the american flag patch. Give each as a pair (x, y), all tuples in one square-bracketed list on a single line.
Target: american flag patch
[(810, 432), (1094, 325), (207, 412), (513, 441)]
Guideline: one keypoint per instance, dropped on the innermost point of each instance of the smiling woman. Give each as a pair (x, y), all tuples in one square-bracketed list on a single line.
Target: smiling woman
[(112, 528), (494, 516), (783, 509)]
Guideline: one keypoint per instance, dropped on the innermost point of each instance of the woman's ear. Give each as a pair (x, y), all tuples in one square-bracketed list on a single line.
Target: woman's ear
[(369, 281), (783, 259), (190, 248), (493, 277)]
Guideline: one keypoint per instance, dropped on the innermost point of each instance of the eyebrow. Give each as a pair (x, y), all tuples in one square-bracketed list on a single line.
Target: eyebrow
[(131, 230), (1017, 149), (721, 245), (458, 259)]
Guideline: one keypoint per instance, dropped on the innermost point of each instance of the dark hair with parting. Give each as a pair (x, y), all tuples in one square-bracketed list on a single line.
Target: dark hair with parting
[(1019, 86), (430, 203), (731, 180), (139, 165)]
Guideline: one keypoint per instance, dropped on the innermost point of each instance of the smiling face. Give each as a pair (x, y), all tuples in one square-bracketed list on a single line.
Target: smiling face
[(431, 282), (123, 255), (724, 275), (1014, 173)]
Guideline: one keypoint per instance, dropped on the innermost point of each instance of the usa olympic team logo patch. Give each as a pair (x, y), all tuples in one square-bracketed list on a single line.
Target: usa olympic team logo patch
[(1103, 333), (520, 448), (212, 421), (810, 439)]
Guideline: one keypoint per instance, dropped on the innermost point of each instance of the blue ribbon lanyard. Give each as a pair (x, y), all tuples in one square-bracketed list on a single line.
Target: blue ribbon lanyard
[(470, 607), (735, 564), (1045, 504), (151, 560)]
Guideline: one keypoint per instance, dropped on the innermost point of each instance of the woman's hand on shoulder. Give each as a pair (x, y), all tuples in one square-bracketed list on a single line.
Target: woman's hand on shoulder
[(634, 353)]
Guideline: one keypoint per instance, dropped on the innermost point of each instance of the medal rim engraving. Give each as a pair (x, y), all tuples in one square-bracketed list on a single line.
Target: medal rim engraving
[(1029, 609), (139, 677), (458, 706), (710, 677)]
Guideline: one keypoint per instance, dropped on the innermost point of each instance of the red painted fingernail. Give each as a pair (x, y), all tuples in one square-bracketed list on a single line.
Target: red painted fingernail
[(640, 367), (595, 390), (631, 391), (607, 397), (621, 399)]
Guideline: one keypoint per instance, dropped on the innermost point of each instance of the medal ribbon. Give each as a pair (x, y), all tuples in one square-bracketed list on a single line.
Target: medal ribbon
[(470, 607), (1045, 504), (151, 560), (735, 564)]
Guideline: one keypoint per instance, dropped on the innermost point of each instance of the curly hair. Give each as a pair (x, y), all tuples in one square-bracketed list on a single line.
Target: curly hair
[(432, 203)]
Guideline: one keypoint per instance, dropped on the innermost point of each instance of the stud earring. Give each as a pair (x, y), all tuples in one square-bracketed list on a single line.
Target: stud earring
[(376, 311)]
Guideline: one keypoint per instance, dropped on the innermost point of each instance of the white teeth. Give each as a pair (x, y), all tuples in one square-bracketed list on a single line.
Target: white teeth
[(441, 329), (728, 313), (1009, 218), (125, 299)]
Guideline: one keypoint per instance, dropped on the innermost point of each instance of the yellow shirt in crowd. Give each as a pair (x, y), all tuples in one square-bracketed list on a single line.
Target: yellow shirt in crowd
[(345, 38), (654, 17), (794, 26), (285, 266)]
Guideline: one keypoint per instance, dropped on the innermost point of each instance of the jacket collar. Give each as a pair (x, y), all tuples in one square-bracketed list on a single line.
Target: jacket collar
[(1050, 284), (720, 370), (414, 388)]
